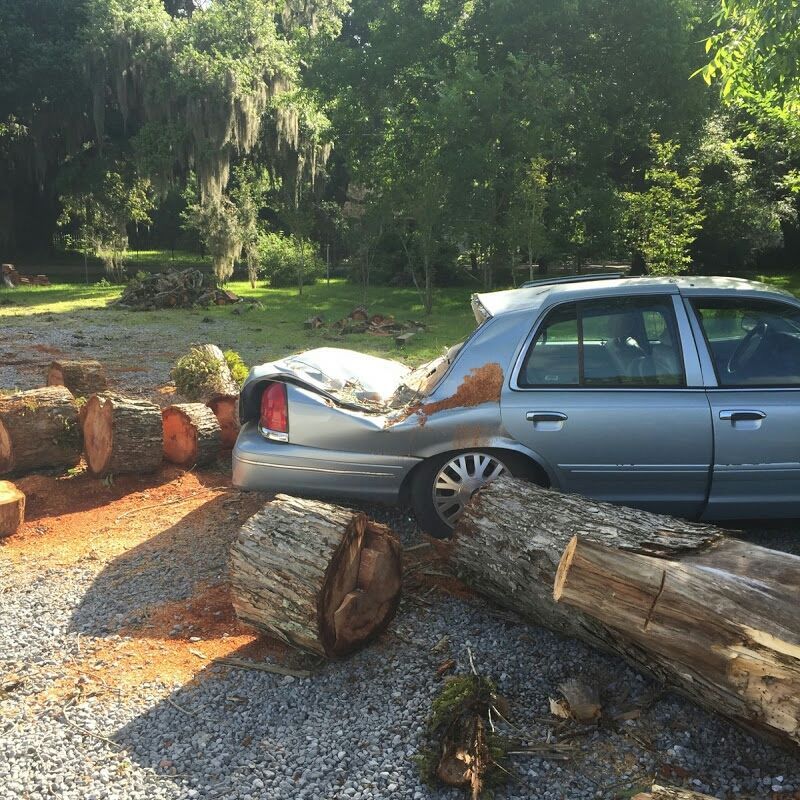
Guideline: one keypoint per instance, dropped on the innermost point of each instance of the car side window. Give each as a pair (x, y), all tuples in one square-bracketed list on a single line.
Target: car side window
[(612, 342), (752, 342)]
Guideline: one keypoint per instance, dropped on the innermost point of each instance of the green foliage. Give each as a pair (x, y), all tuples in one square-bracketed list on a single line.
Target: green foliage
[(662, 221), (237, 367), (198, 375), (102, 211), (288, 261), (756, 56)]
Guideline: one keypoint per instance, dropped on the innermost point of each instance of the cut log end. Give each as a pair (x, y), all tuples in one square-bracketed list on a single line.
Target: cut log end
[(12, 509), (364, 588), (226, 410), (192, 434), (98, 434)]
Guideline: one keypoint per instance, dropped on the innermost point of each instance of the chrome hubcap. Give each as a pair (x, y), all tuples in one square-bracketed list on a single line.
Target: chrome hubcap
[(459, 479)]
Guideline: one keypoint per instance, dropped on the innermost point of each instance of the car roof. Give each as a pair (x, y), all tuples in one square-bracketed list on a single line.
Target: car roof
[(536, 293)]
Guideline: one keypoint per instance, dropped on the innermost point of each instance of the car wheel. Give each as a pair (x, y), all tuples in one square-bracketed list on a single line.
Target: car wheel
[(443, 485)]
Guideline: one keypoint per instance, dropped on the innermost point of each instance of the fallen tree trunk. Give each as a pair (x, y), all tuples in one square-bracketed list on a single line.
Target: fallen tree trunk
[(509, 544), (122, 435), (12, 509), (191, 434), (82, 378), (39, 429), (320, 577), (723, 621)]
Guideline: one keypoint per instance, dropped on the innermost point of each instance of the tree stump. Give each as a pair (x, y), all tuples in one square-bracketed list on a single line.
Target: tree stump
[(122, 435), (191, 434), (82, 378), (39, 429), (721, 628), (12, 509), (320, 577), (226, 410)]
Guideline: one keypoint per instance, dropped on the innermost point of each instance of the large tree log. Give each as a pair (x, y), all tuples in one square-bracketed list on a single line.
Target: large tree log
[(82, 378), (723, 622), (122, 435), (323, 578), (191, 434), (39, 429), (12, 509), (508, 546), (226, 410)]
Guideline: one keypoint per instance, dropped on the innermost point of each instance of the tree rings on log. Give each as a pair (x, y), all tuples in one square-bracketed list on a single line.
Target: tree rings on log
[(39, 429), (122, 435), (320, 577), (226, 410), (192, 434), (82, 378), (12, 509)]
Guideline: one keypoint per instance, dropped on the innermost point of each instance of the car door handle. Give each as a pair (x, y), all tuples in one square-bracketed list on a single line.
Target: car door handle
[(742, 415), (545, 416)]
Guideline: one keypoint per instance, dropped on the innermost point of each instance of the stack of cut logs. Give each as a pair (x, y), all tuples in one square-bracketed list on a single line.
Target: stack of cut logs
[(49, 428), (12, 278), (174, 289)]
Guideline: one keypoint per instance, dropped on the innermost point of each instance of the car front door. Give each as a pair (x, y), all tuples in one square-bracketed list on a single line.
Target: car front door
[(753, 346), (608, 394)]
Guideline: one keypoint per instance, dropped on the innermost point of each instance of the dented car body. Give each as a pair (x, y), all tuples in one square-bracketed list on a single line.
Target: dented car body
[(676, 395)]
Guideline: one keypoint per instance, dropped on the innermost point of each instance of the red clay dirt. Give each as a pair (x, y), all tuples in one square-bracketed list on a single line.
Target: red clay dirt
[(71, 520)]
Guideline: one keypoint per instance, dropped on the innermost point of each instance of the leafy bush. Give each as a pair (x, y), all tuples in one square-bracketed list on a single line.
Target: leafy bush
[(237, 367), (284, 261)]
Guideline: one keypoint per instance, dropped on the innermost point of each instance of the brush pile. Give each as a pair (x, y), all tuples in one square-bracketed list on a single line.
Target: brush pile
[(186, 288)]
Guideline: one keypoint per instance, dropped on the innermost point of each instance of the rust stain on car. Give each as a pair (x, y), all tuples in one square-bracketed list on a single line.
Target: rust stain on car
[(481, 385)]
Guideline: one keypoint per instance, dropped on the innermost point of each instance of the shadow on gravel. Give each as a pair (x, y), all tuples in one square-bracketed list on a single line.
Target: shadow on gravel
[(136, 593), (355, 726)]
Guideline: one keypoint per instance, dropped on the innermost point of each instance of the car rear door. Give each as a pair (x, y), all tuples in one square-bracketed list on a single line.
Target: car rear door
[(752, 347), (608, 394)]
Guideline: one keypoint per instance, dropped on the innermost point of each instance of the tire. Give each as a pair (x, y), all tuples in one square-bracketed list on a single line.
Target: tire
[(434, 514)]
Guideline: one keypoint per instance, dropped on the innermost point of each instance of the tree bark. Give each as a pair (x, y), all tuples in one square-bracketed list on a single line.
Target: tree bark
[(12, 509), (82, 378), (510, 541), (722, 623), (122, 435), (320, 577), (192, 434), (39, 429), (225, 386)]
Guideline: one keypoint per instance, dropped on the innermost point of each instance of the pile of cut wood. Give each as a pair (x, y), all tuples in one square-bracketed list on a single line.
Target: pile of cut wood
[(12, 278), (359, 320), (184, 288)]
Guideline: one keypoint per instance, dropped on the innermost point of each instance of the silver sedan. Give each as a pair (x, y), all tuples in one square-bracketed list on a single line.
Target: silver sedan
[(678, 395)]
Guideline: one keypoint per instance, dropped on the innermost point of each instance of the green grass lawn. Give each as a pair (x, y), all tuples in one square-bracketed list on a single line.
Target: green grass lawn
[(258, 334)]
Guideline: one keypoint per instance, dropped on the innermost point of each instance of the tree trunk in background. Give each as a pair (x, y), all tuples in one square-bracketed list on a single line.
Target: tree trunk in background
[(192, 435), (510, 541), (122, 435), (12, 509), (39, 429), (82, 378), (320, 577)]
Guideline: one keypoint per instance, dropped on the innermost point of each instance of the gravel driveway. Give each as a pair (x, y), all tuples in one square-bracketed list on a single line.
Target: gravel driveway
[(112, 620)]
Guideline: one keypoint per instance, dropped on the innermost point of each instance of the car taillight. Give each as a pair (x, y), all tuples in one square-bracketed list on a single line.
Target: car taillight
[(274, 419)]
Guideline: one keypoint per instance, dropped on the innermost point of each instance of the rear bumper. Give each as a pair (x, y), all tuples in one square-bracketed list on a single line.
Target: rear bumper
[(262, 465)]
